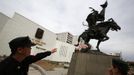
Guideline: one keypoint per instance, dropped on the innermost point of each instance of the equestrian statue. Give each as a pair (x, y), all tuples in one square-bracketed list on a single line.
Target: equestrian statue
[(98, 27)]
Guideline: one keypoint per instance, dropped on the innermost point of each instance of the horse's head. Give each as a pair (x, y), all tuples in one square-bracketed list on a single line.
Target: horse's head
[(114, 25)]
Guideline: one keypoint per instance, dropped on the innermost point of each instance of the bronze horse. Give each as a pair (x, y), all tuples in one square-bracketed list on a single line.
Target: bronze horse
[(99, 32)]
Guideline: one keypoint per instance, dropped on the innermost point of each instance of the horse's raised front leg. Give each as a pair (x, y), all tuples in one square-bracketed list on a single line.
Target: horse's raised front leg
[(78, 41), (99, 41)]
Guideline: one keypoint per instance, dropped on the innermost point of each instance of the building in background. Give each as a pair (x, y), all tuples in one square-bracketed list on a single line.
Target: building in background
[(65, 37), (117, 54), (75, 39), (45, 39), (3, 20)]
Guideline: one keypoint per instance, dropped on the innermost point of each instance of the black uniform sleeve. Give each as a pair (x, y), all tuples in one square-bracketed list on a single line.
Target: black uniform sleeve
[(1, 68), (31, 59)]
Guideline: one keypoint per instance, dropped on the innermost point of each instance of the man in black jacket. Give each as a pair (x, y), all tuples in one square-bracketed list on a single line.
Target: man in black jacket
[(20, 59)]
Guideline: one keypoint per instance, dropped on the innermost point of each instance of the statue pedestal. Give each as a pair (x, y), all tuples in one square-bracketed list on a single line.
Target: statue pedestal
[(94, 63)]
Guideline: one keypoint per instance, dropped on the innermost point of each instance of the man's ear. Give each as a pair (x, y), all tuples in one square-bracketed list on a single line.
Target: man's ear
[(19, 50), (116, 69)]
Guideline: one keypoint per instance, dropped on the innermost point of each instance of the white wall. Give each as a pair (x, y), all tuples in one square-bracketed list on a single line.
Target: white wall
[(62, 37), (64, 52), (49, 37), (75, 40), (3, 20)]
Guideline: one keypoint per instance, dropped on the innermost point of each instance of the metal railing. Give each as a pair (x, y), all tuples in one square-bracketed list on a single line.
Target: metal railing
[(40, 69)]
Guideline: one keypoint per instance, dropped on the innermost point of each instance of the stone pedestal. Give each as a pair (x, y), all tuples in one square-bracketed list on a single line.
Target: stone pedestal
[(89, 64)]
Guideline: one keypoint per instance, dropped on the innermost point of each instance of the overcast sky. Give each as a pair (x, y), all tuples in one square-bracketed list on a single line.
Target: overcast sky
[(68, 15)]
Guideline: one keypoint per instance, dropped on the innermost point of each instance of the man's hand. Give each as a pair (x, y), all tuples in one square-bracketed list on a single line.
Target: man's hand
[(53, 50)]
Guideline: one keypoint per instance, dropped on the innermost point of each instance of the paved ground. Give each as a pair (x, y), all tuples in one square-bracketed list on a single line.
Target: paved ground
[(57, 71), (33, 71)]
